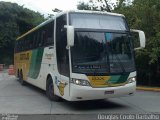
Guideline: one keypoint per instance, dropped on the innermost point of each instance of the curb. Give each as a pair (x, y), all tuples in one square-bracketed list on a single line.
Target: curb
[(156, 89)]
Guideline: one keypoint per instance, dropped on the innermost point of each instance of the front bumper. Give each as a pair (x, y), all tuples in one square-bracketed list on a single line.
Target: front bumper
[(80, 93)]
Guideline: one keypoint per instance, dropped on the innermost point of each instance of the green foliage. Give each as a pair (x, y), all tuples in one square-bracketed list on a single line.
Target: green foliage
[(14, 21), (92, 5), (83, 6), (145, 15)]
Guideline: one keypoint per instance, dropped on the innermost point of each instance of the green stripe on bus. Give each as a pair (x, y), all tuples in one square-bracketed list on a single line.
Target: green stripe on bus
[(36, 60), (118, 79)]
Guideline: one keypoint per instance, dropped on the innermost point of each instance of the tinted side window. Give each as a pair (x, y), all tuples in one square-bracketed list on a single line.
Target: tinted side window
[(61, 43), (21, 45), (36, 42), (15, 48), (40, 39), (50, 33), (30, 42), (44, 36)]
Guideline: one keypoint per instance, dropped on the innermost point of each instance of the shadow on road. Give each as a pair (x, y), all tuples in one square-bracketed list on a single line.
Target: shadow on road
[(93, 105), (34, 89)]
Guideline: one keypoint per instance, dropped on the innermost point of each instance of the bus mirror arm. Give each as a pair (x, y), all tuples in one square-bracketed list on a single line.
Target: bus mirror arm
[(141, 38), (70, 36)]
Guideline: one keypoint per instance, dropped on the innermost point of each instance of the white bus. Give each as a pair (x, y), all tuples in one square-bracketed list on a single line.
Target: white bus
[(79, 55)]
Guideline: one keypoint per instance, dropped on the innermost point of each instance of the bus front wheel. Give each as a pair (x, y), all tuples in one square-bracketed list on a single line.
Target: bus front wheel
[(50, 90)]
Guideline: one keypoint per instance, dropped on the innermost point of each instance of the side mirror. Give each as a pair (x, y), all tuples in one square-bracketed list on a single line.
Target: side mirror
[(70, 36), (141, 38)]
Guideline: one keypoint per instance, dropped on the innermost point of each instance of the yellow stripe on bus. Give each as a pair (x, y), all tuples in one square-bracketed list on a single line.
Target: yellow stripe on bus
[(98, 81), (22, 62)]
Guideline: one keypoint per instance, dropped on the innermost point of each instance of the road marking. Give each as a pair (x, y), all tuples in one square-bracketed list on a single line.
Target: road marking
[(148, 89)]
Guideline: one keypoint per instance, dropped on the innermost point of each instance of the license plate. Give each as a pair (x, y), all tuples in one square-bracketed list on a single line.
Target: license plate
[(109, 92)]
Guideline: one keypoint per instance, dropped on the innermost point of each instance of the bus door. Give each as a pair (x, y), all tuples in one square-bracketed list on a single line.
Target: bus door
[(62, 57)]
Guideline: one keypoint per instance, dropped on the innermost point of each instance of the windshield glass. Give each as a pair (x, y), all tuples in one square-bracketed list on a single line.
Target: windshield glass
[(98, 21), (102, 52)]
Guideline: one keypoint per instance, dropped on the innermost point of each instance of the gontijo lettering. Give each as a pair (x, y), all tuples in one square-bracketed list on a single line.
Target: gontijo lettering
[(24, 56)]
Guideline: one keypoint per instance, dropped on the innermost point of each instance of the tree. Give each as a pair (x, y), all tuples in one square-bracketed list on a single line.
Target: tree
[(145, 15), (14, 21), (96, 5)]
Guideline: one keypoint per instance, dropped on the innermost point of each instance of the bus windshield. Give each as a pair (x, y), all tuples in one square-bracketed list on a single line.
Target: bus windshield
[(98, 21), (102, 52)]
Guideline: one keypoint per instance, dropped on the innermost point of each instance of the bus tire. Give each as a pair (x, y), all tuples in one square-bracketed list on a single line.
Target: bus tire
[(21, 78), (18, 74), (50, 90)]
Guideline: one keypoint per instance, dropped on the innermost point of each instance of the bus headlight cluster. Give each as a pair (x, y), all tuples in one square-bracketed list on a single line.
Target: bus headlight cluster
[(80, 82), (132, 79)]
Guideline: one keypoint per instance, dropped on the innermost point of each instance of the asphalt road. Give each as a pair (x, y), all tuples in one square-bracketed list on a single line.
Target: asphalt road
[(17, 99)]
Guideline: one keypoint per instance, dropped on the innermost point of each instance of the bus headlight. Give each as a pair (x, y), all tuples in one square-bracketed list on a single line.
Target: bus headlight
[(132, 79), (80, 82)]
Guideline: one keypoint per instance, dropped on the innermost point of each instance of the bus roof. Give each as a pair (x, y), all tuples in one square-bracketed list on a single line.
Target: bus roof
[(66, 12)]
